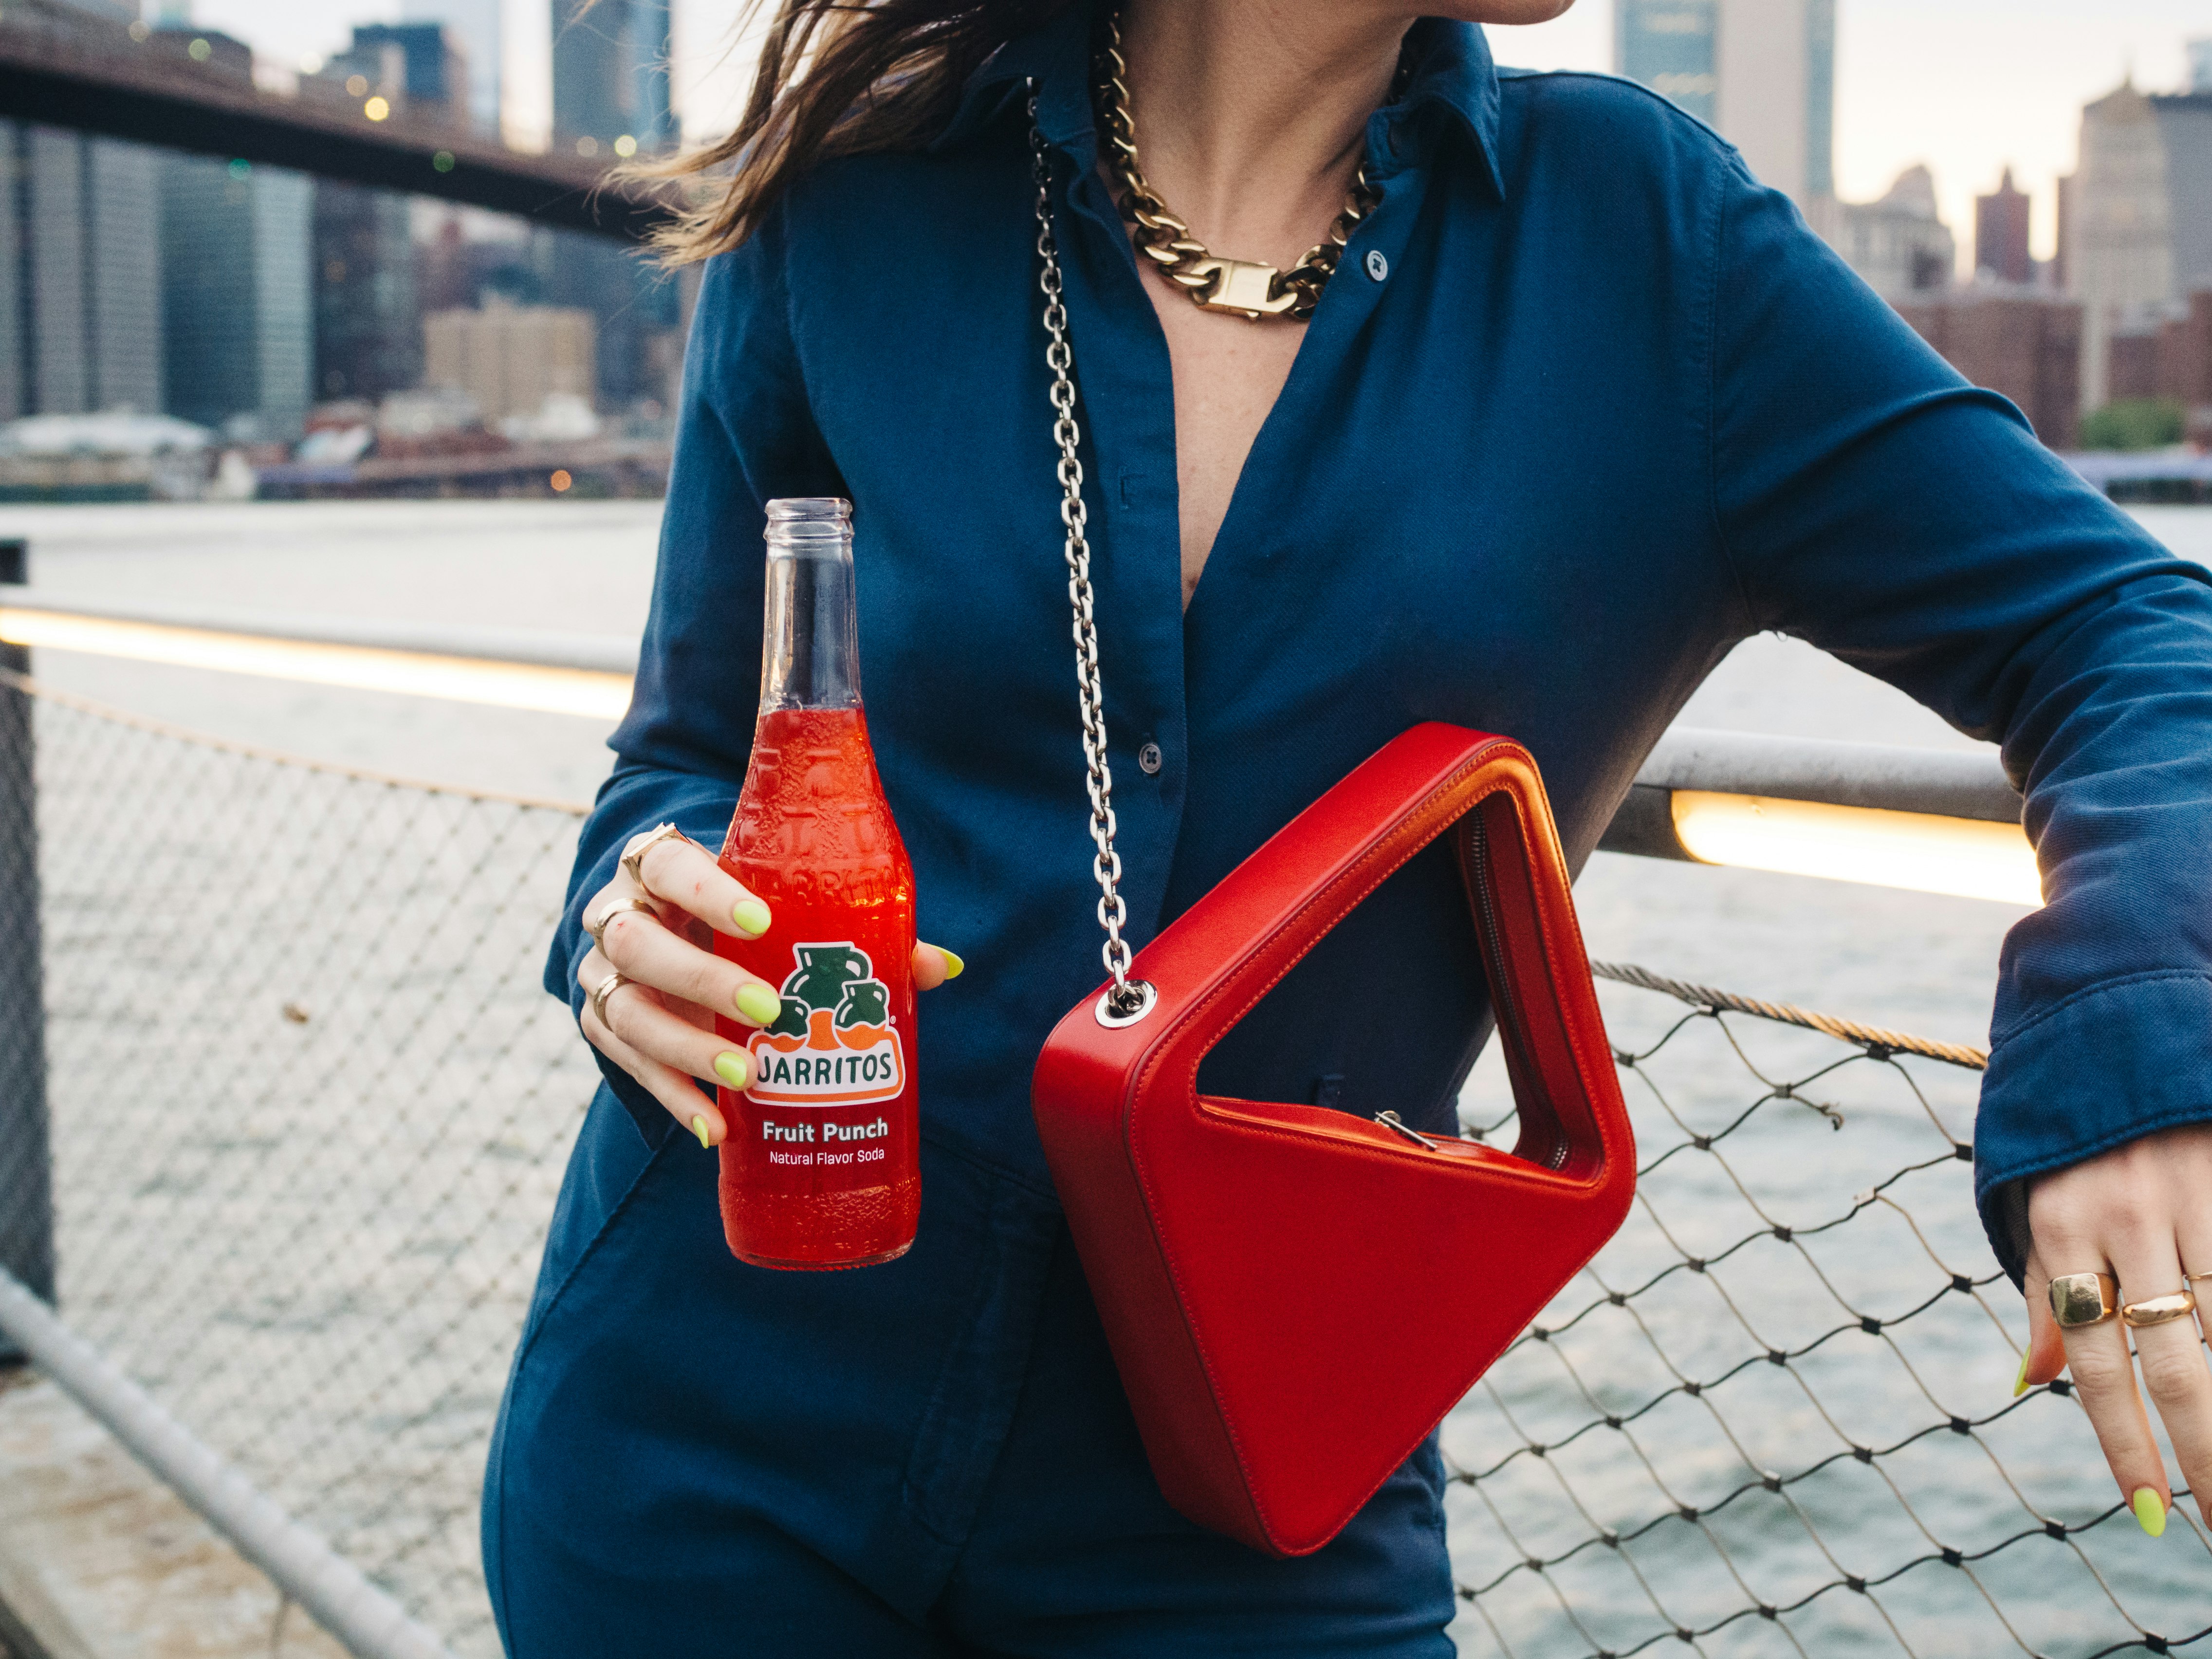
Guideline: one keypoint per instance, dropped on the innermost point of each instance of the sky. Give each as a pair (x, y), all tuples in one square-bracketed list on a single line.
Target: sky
[(1966, 86)]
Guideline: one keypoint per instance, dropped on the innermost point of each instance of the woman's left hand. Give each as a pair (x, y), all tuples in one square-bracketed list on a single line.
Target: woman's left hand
[(2141, 1213)]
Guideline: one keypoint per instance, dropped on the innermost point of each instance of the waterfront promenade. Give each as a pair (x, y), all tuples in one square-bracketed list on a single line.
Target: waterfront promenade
[(1920, 964)]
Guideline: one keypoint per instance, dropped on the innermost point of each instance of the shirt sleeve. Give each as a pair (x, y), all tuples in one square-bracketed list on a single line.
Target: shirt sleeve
[(1873, 503), (743, 437)]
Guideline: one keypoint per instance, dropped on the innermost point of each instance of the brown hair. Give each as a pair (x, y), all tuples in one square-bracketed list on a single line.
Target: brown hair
[(836, 78)]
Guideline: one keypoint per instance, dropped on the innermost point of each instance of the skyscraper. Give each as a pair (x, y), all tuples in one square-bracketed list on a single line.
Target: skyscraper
[(2138, 225), (610, 99), (419, 65), (611, 75), (1672, 47), (79, 280), (1762, 73), (368, 319), (474, 24), (2001, 233), (1899, 244), (237, 314)]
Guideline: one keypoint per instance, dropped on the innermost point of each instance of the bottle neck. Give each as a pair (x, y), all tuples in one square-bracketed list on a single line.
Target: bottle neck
[(809, 646)]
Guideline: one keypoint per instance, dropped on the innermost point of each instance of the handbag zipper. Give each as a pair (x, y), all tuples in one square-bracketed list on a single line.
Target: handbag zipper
[(1397, 1125)]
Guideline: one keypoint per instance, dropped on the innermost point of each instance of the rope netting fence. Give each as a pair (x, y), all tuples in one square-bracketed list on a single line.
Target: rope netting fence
[(309, 1108), (1775, 1415)]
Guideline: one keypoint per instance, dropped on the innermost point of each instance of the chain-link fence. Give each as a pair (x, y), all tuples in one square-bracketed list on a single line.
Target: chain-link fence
[(309, 1107)]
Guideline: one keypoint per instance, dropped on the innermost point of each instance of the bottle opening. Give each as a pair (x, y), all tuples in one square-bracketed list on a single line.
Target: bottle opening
[(809, 525), (792, 508)]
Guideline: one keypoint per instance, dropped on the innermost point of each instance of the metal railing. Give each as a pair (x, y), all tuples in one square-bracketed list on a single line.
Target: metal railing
[(1891, 809), (305, 1112), (302, 1108)]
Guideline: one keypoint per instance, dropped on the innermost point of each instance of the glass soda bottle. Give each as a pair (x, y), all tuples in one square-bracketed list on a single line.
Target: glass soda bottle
[(820, 1166)]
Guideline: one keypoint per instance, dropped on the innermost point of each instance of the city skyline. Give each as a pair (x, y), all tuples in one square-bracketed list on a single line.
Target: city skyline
[(1966, 87), (1902, 95)]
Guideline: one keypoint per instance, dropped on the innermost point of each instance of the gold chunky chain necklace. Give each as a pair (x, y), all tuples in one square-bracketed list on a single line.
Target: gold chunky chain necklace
[(1248, 289)]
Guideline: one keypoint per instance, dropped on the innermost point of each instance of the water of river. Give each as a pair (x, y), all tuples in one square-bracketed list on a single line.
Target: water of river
[(587, 567), (1914, 961)]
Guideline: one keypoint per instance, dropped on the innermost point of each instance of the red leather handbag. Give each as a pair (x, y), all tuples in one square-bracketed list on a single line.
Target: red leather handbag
[(1266, 1273)]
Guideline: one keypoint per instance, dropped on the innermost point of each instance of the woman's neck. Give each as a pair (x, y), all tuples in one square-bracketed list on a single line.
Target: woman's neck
[(1251, 114)]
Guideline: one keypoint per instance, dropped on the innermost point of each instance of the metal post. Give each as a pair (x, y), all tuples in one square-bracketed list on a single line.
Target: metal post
[(364, 1620), (27, 1188)]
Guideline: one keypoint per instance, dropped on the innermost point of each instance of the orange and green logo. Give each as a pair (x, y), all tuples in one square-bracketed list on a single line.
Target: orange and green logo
[(834, 1044)]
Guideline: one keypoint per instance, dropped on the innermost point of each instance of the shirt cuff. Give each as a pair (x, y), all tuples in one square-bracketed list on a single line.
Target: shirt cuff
[(2109, 1065)]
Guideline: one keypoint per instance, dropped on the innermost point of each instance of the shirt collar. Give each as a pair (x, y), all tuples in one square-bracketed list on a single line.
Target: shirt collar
[(1451, 72)]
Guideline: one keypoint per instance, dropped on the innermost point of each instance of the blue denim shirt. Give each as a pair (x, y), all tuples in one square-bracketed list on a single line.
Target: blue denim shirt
[(1608, 408)]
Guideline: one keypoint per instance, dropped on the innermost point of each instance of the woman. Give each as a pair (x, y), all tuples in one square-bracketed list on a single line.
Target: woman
[(1579, 406)]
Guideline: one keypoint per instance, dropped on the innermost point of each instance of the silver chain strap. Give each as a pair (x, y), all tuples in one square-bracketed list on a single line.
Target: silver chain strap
[(1127, 1000)]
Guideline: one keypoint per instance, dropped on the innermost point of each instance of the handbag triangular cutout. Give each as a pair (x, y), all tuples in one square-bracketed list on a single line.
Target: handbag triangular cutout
[(1295, 1296)]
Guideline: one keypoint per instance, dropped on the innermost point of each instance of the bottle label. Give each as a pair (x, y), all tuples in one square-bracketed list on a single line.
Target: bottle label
[(835, 1043)]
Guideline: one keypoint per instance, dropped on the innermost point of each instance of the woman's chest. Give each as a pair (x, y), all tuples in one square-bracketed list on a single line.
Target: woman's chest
[(1226, 375), (1476, 491)]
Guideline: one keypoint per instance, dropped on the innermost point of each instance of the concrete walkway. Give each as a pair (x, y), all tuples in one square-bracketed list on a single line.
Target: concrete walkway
[(100, 1561)]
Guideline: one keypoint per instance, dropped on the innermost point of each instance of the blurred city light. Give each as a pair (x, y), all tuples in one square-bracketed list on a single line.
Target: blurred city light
[(459, 679), (1917, 851), (376, 109)]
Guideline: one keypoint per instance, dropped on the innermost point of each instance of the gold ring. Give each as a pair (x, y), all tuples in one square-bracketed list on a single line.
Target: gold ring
[(598, 930), (635, 854), (2159, 1309), (605, 988), (2079, 1299)]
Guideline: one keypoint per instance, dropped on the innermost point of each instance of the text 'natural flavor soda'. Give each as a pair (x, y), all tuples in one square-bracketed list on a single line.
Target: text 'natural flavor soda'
[(820, 1165)]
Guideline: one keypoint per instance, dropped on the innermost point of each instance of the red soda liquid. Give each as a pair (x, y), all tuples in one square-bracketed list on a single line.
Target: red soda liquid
[(820, 1167)]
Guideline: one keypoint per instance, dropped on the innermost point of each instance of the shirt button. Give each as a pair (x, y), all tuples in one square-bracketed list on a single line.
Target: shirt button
[(1377, 266), (1149, 759)]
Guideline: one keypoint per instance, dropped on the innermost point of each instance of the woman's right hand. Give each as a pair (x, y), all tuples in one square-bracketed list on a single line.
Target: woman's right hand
[(657, 931)]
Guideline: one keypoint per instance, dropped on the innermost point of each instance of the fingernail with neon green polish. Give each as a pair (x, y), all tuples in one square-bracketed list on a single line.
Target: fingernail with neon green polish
[(952, 964), (2020, 1382), (2150, 1514), (699, 1128), (733, 1070), (758, 1004), (752, 916)]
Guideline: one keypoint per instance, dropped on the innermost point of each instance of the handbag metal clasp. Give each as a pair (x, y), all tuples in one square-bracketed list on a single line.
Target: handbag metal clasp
[(1140, 1004)]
